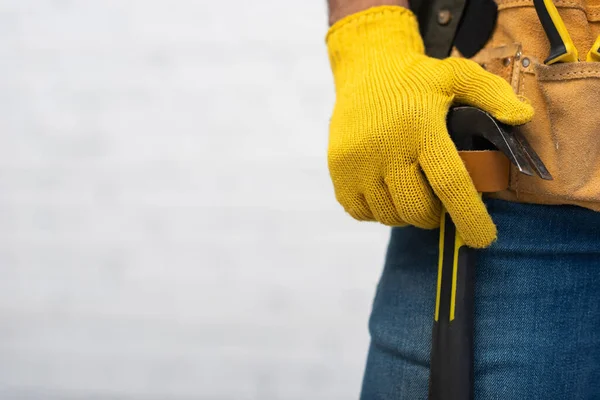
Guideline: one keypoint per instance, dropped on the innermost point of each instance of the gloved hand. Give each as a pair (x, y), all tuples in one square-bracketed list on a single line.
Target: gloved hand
[(390, 156)]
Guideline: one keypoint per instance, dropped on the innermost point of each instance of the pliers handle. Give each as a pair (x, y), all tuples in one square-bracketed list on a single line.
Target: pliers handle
[(594, 53), (562, 48)]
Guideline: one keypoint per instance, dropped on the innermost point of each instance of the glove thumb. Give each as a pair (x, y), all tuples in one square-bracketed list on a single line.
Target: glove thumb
[(479, 88)]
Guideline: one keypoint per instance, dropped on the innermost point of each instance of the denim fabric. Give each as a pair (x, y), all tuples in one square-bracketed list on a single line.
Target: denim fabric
[(537, 309)]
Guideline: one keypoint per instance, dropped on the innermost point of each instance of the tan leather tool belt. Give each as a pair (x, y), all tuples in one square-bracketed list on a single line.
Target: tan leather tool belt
[(565, 131)]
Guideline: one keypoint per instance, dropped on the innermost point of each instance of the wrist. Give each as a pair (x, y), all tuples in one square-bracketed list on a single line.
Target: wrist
[(341, 9), (372, 34)]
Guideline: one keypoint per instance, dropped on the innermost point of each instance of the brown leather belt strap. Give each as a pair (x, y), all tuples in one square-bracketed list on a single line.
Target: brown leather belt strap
[(489, 170)]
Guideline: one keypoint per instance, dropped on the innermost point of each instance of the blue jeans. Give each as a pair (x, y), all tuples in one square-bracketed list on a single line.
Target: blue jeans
[(537, 309)]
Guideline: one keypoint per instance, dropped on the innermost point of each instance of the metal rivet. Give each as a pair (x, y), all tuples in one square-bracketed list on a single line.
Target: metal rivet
[(518, 55), (506, 61), (525, 62), (444, 17)]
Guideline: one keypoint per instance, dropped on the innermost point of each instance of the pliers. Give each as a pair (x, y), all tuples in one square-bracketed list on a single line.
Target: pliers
[(562, 48)]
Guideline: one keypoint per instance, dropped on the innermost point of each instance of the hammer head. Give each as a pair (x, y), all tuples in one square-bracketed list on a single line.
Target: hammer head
[(473, 129)]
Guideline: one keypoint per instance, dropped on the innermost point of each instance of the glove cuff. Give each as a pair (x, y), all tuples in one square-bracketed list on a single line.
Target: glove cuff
[(374, 33)]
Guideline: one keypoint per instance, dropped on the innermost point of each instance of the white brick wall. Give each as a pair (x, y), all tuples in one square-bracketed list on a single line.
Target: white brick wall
[(167, 225)]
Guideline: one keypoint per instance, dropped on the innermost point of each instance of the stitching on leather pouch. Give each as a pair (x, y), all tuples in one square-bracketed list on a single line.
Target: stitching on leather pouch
[(503, 4), (522, 84), (573, 74), (593, 11), (522, 93)]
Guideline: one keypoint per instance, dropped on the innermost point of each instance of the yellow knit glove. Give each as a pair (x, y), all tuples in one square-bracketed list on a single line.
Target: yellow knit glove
[(390, 156)]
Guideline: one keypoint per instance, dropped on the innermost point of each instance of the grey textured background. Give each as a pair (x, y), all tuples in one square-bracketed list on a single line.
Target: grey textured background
[(167, 225)]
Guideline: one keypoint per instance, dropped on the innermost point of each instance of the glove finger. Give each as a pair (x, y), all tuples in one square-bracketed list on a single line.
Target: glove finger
[(382, 205), (479, 88), (357, 206), (453, 185), (414, 199)]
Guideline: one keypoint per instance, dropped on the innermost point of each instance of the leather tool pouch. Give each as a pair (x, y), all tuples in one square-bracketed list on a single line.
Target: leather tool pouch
[(565, 131)]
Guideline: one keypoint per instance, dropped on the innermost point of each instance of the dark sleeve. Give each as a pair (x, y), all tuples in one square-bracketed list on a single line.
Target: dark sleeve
[(438, 31)]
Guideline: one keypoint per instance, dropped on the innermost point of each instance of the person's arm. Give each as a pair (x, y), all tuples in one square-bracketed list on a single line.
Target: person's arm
[(390, 156), (339, 9)]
